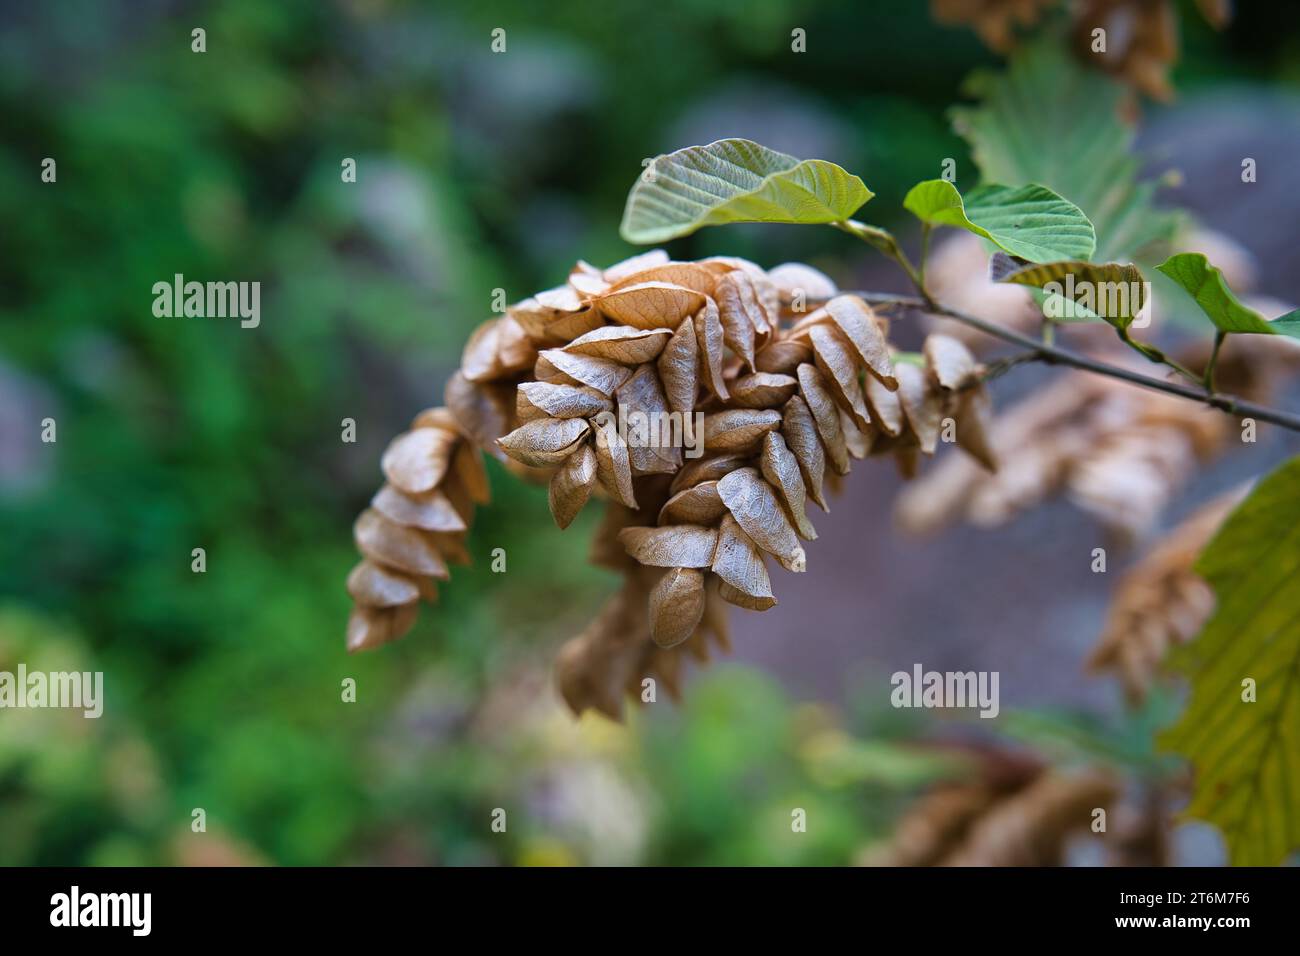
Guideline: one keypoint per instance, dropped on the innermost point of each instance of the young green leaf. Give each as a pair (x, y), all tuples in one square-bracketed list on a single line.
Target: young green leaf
[(1031, 222), (1242, 721), (1111, 291), (1204, 283), (735, 180)]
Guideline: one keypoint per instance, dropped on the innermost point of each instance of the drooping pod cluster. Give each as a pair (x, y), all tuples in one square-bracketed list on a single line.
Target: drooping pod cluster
[(707, 403)]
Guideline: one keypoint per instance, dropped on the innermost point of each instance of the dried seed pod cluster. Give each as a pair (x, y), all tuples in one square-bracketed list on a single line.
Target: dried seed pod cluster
[(415, 525), (707, 403)]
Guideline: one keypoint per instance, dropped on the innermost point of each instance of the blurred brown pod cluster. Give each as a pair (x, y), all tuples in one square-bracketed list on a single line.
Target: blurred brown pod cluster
[(708, 404)]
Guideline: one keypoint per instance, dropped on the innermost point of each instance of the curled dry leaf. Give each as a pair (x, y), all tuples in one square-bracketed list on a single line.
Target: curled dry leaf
[(700, 504), (739, 564), (861, 329), (417, 460), (467, 465), (886, 407), (709, 468), (833, 358), (817, 395), (676, 606), (687, 275), (949, 362), (547, 400), (621, 343), (763, 390), (679, 368), (651, 305), (601, 374), (674, 546), (613, 466), (800, 434), (545, 441), (922, 406), (371, 627), (754, 505), (782, 472), (651, 446), (796, 282), (485, 410), (783, 356), (708, 335), (392, 544), (431, 511), (738, 430), (374, 585), (633, 265)]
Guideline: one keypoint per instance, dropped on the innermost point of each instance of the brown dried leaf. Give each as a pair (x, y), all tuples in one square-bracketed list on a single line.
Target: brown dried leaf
[(547, 400), (763, 390), (431, 511), (485, 411), (478, 361), (800, 434), (416, 461), (372, 627), (650, 444), (922, 406), (754, 505), (613, 466), (634, 264), (835, 359), (708, 468), (545, 441), (374, 585), (795, 281), (451, 545), (674, 546), (738, 562), (708, 335), (437, 418), (855, 319), (679, 368), (392, 544), (781, 470), (601, 374), (676, 606), (817, 394), (515, 351), (688, 275), (739, 430), (467, 465), (949, 361), (622, 344), (571, 485), (699, 504), (783, 356), (651, 305), (858, 441), (886, 408)]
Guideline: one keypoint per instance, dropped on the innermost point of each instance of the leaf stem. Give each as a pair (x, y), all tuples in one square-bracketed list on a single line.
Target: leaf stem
[(1053, 355), (883, 241), (1219, 336)]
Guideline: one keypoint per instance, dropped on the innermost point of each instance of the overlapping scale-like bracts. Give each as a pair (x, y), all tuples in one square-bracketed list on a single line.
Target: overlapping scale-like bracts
[(765, 387)]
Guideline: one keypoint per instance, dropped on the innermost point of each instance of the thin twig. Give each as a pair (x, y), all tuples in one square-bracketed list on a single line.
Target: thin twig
[(1053, 355)]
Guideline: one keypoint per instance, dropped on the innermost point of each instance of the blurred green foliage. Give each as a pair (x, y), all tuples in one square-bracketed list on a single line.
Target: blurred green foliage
[(476, 171)]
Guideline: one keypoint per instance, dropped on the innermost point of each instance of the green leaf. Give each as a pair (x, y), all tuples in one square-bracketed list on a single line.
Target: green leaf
[(1205, 283), (735, 180), (1112, 292), (1049, 120), (1246, 755), (1031, 222)]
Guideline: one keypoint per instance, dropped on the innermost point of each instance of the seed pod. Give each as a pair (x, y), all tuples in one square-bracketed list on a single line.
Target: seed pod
[(700, 504), (676, 606), (709, 468), (415, 461), (922, 406), (740, 313), (950, 363), (816, 393), (739, 430), (800, 434), (674, 546), (389, 543), (886, 408), (739, 565), (651, 305), (754, 505), (544, 400), (621, 343), (613, 466), (763, 390), (855, 319), (545, 441), (646, 410), (708, 335), (571, 485), (781, 471), (679, 368), (601, 374), (431, 511), (794, 279), (374, 585), (835, 361), (783, 356)]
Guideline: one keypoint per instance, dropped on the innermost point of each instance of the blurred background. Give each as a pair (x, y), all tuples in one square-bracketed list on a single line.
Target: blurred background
[(476, 171)]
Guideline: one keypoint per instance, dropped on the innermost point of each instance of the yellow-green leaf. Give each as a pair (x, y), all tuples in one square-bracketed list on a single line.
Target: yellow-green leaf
[(1080, 291), (1246, 753), (1205, 283), (735, 180)]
